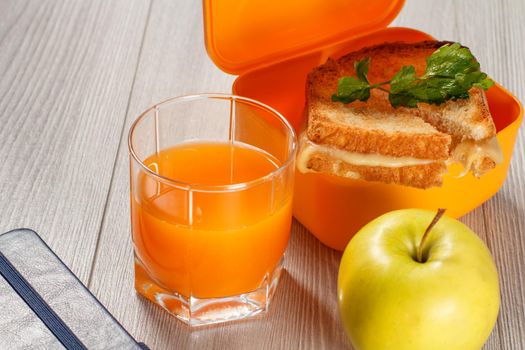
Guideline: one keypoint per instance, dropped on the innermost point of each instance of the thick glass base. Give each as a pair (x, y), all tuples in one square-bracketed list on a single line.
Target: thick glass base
[(199, 312)]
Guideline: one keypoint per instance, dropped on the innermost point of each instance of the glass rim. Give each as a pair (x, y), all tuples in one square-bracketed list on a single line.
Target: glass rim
[(215, 188)]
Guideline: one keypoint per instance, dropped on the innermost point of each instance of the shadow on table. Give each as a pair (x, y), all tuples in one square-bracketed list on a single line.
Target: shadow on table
[(303, 313)]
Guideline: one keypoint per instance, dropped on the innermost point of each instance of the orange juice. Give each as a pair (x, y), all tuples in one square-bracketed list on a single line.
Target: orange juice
[(196, 239)]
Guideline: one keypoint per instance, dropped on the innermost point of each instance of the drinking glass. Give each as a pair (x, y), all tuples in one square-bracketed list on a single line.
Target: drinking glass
[(209, 250)]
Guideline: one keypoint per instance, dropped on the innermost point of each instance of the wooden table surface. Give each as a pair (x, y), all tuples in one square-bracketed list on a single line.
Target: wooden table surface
[(75, 74)]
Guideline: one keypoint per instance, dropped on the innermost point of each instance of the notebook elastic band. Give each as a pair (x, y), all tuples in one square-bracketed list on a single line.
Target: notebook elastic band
[(44, 312)]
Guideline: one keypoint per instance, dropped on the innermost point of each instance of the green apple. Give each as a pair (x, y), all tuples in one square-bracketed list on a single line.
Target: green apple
[(448, 298)]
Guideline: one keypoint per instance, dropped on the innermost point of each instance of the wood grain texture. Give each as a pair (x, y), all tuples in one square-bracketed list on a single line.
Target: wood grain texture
[(75, 74), (303, 314), (492, 29), (66, 72)]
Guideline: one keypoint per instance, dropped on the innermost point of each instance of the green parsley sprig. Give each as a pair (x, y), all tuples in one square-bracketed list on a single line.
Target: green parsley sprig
[(450, 73)]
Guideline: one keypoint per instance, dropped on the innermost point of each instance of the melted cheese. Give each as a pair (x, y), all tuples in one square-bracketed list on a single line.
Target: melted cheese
[(307, 148), (465, 153), (468, 151)]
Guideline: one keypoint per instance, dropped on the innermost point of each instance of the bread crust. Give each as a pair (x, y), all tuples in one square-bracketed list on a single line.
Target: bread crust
[(325, 131)]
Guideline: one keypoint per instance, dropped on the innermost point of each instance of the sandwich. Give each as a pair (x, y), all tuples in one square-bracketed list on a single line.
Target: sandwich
[(406, 135)]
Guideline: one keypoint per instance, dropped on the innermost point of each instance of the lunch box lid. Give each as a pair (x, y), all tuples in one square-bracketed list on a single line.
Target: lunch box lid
[(242, 35)]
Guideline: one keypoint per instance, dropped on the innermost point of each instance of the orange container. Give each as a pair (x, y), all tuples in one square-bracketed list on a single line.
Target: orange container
[(272, 47)]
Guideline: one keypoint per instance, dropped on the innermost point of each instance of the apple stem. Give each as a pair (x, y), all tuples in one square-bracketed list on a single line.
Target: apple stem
[(436, 218)]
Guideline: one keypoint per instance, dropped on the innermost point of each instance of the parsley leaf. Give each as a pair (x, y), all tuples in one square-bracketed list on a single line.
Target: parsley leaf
[(449, 60), (361, 69), (350, 89), (450, 73), (400, 87)]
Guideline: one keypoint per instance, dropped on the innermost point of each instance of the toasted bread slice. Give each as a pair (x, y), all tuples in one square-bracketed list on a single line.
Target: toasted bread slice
[(468, 119), (428, 132), (373, 131)]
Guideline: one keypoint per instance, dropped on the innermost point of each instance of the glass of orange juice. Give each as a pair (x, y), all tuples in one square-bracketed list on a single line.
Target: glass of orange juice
[(211, 181)]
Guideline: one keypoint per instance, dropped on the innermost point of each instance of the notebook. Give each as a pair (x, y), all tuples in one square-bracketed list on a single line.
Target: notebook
[(43, 305)]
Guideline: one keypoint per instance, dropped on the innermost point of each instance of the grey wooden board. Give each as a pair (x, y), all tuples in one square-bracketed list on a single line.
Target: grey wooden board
[(76, 74), (66, 71)]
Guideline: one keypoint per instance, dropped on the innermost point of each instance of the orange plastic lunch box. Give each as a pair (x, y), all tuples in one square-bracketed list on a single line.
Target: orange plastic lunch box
[(272, 45)]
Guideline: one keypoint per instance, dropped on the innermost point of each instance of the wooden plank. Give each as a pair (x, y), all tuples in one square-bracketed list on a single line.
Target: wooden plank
[(304, 313), (492, 32), (502, 48), (67, 69)]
